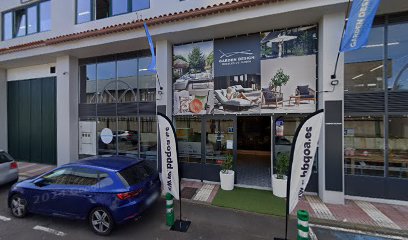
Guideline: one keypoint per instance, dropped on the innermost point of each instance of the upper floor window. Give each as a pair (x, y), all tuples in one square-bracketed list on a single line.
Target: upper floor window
[(89, 10), (28, 20)]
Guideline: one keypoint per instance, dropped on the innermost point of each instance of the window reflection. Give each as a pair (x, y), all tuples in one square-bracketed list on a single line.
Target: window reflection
[(88, 83), (188, 130), (32, 19), (398, 55), (106, 74), (106, 148), (7, 26), (127, 80), (148, 138), (140, 5), (83, 11), (45, 16), (147, 81), (398, 147), (119, 6), (364, 145), (364, 68), (20, 23), (219, 137), (128, 136)]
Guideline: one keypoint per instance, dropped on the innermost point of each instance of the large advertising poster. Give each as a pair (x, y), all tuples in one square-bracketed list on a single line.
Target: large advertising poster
[(271, 72), (193, 78)]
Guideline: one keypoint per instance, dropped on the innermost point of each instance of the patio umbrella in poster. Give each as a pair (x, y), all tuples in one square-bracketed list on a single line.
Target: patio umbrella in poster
[(280, 40)]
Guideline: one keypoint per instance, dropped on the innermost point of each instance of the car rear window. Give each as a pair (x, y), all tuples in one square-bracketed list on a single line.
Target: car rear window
[(5, 157), (137, 173)]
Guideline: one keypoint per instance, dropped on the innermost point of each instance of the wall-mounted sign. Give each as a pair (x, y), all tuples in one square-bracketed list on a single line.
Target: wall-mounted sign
[(279, 128), (106, 135), (230, 144), (235, 56)]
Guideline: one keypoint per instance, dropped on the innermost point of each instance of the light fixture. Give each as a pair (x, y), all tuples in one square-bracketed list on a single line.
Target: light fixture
[(358, 76), (83, 13), (372, 85), (380, 45), (376, 68)]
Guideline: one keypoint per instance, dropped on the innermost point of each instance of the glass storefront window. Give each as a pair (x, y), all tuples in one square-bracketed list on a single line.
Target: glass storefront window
[(88, 83), (364, 145), (140, 5), (45, 16), (8, 26), (119, 7), (128, 136), (84, 11), (363, 69), (106, 74), (32, 19), (188, 131), (106, 148), (148, 138), (398, 55), (127, 80), (147, 81), (398, 147), (219, 140)]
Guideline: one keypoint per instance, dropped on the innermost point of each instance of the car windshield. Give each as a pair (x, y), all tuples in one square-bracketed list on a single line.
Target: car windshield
[(5, 157), (136, 174)]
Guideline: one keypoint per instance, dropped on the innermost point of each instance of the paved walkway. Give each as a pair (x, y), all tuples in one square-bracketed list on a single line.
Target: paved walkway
[(27, 170), (363, 213)]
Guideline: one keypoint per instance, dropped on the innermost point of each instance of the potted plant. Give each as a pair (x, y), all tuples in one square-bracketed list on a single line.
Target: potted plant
[(227, 175), (280, 79), (280, 179)]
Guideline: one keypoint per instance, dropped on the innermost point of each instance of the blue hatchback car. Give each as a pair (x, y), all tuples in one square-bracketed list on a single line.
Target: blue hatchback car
[(105, 191)]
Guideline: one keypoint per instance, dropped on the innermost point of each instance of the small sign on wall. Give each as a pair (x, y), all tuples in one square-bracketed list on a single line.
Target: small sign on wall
[(230, 144)]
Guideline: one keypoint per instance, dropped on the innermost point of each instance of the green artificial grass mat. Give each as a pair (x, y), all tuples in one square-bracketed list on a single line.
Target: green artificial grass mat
[(251, 200)]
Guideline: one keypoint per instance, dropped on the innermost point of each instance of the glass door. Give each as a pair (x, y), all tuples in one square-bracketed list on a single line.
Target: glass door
[(220, 141)]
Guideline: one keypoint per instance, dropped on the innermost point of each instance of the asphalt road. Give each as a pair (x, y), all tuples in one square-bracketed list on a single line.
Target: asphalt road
[(207, 223)]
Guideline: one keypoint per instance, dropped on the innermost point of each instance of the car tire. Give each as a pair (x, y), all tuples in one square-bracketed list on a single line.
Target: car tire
[(101, 221), (18, 206)]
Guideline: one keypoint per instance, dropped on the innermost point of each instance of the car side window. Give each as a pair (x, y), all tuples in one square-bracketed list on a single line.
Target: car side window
[(89, 177), (4, 157), (59, 176)]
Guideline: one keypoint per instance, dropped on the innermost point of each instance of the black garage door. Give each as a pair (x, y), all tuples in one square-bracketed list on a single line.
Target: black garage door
[(32, 120)]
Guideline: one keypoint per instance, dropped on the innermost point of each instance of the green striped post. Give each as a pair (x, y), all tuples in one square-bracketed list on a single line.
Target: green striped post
[(169, 210), (303, 225)]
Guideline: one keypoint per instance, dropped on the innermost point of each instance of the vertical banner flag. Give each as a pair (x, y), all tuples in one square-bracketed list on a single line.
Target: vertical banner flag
[(170, 175), (152, 66), (359, 24), (302, 157)]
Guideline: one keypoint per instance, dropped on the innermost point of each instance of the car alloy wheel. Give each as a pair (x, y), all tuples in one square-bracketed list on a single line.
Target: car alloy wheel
[(18, 206), (101, 221)]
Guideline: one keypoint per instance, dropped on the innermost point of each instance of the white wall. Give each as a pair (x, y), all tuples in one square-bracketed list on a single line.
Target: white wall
[(37, 71)]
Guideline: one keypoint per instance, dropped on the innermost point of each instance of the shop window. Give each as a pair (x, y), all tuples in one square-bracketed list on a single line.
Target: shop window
[(7, 26), (219, 140), (88, 83), (128, 136), (45, 16), (102, 8), (106, 75), (32, 20), (398, 55), (127, 80), (140, 5), (364, 145), (189, 139), (398, 147), (364, 68), (23, 21), (148, 138), (106, 147), (147, 81), (84, 11)]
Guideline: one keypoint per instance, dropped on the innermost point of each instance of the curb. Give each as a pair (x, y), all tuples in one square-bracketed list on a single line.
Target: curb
[(361, 227)]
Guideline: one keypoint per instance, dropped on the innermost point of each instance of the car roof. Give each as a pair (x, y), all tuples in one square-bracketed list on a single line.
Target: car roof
[(112, 163)]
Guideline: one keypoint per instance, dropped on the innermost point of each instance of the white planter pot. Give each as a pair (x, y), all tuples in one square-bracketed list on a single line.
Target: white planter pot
[(279, 186), (227, 180)]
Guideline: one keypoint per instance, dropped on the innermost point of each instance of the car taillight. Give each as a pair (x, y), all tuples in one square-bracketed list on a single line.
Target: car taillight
[(13, 165), (126, 195)]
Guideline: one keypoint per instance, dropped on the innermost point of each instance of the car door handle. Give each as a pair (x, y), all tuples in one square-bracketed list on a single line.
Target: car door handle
[(88, 195)]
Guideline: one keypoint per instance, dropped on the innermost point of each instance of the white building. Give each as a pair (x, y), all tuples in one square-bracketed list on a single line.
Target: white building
[(69, 69)]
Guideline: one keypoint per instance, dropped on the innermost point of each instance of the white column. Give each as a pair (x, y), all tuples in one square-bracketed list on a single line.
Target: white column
[(164, 70), (3, 110), (330, 31), (67, 109)]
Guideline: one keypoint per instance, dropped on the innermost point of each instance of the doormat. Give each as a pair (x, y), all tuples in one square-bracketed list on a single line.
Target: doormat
[(188, 192)]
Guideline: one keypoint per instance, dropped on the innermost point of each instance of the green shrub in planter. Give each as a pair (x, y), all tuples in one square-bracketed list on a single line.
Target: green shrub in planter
[(227, 164), (282, 165)]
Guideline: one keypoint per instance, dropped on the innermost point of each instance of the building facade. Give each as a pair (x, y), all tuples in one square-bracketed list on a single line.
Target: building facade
[(236, 77)]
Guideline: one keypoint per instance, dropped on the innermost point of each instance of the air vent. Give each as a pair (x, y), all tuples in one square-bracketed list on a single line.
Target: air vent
[(52, 69)]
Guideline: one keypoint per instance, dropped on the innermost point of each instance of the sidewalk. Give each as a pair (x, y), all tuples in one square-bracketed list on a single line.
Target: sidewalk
[(354, 214), (27, 170)]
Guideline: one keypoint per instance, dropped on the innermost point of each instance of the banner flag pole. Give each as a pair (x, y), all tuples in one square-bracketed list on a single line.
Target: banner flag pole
[(171, 167), (310, 132), (341, 41)]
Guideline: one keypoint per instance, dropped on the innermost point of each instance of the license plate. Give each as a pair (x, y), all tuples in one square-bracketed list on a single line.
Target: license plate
[(152, 198)]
